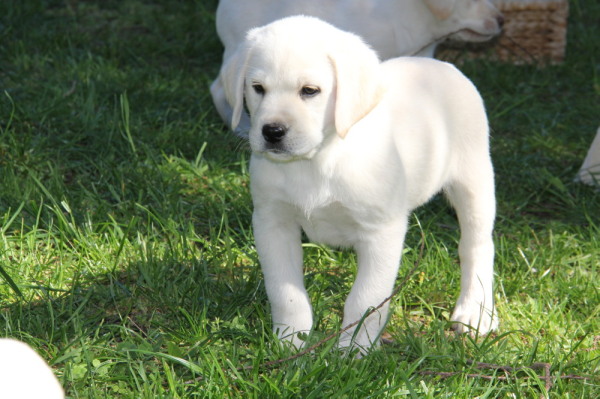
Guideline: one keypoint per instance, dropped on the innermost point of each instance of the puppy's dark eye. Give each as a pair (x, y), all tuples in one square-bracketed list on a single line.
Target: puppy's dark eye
[(258, 88), (309, 91)]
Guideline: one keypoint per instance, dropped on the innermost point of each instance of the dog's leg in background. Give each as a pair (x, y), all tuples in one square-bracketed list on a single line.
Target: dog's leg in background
[(378, 261), (279, 247), (217, 92), (589, 173), (474, 200)]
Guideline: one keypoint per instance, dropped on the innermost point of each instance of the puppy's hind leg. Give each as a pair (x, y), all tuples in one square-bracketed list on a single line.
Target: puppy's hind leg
[(472, 195)]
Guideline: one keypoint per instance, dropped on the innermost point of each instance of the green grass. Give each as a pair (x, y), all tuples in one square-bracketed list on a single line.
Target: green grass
[(127, 258)]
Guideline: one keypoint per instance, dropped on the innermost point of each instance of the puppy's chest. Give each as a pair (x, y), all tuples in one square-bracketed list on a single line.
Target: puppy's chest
[(334, 209), (332, 224), (329, 216)]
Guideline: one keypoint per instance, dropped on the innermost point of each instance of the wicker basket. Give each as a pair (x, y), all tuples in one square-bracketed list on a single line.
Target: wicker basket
[(535, 32)]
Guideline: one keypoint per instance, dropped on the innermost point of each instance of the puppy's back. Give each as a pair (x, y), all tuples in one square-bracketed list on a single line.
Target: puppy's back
[(435, 87)]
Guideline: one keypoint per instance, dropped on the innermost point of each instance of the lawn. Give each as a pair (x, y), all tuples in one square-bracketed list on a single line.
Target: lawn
[(127, 257)]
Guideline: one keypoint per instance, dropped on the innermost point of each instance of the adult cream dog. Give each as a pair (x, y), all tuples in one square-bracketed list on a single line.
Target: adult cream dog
[(392, 27), (343, 148)]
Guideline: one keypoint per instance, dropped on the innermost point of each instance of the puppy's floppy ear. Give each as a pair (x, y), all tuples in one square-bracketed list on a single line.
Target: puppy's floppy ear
[(357, 79), (232, 75), (442, 9)]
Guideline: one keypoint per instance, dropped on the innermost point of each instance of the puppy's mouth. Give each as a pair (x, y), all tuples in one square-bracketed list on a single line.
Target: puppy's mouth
[(283, 155), (470, 35), (278, 156), (278, 142), (271, 150), (480, 32)]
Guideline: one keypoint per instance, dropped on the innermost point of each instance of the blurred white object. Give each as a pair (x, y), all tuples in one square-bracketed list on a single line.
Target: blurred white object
[(24, 374), (590, 170)]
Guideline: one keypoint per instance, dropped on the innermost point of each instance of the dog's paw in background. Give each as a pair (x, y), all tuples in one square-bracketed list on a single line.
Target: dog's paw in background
[(589, 173)]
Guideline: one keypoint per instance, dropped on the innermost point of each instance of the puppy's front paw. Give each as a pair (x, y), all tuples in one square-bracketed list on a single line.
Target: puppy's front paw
[(359, 343), (295, 339), (474, 318)]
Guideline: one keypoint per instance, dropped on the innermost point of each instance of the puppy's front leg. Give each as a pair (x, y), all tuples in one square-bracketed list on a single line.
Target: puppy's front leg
[(279, 247), (378, 262)]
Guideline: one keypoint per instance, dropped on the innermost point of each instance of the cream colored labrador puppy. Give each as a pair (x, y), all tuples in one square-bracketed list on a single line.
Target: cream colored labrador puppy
[(392, 27), (24, 374), (344, 148)]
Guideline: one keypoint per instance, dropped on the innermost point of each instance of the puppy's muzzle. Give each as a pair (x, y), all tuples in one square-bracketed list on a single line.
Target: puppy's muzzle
[(273, 132)]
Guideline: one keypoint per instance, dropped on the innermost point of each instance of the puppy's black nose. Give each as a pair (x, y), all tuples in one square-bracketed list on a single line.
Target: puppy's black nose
[(500, 20), (273, 132)]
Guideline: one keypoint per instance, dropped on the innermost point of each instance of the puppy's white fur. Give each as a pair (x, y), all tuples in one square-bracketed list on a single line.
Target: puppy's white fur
[(392, 27), (360, 144), (24, 374), (589, 173)]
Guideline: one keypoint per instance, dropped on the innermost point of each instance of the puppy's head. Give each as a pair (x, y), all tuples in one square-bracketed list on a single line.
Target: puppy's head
[(303, 81), (472, 20)]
